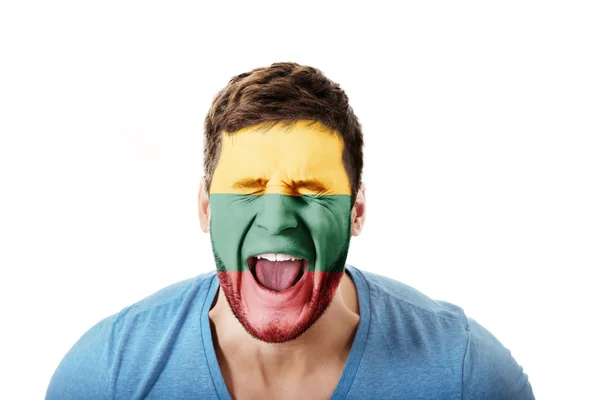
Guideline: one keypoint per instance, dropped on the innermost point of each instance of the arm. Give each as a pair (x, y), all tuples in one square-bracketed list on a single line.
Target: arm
[(490, 371), (84, 372)]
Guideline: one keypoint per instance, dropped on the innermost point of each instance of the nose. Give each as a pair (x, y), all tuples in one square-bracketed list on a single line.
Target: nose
[(277, 214)]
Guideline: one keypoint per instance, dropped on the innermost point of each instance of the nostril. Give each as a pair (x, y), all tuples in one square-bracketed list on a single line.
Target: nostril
[(277, 224)]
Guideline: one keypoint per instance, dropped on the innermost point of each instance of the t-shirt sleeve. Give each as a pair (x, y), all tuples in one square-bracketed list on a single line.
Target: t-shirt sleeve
[(84, 372), (489, 370)]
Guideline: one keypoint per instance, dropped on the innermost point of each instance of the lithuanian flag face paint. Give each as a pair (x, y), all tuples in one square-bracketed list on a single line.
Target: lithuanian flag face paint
[(280, 204)]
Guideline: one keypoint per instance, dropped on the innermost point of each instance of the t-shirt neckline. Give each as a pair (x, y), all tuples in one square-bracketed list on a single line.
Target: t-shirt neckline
[(354, 357)]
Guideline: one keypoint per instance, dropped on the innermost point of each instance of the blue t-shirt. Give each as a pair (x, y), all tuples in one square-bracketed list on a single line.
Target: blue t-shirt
[(407, 346)]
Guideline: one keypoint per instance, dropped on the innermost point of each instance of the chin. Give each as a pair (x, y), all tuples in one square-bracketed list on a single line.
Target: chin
[(278, 316)]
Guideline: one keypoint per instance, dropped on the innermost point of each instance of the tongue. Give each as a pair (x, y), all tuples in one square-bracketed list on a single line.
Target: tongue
[(277, 275)]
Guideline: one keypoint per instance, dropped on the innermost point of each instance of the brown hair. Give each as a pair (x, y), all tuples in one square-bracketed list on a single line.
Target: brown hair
[(283, 92)]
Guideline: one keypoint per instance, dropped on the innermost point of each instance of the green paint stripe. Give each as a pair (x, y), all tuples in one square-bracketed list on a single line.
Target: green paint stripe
[(314, 227)]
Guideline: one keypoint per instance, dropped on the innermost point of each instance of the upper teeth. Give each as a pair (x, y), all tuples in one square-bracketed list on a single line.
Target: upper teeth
[(277, 257)]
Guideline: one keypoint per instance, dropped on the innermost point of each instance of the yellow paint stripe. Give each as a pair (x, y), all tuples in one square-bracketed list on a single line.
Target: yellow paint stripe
[(287, 160)]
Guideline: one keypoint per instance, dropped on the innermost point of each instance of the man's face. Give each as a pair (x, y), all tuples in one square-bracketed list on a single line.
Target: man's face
[(280, 204)]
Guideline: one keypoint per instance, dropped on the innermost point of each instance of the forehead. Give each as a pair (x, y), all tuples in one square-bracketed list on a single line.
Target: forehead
[(302, 151)]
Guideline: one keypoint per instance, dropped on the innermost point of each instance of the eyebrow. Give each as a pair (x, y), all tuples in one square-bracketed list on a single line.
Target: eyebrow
[(260, 183), (310, 184), (250, 183)]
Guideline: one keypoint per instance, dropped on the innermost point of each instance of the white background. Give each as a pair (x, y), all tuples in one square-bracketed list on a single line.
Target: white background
[(481, 125)]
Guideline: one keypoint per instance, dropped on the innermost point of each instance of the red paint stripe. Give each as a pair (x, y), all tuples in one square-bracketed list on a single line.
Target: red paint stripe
[(277, 317)]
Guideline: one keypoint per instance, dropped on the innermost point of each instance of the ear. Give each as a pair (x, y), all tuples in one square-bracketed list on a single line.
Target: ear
[(204, 206), (359, 211)]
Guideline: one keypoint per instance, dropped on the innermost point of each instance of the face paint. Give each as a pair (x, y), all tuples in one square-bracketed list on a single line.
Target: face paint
[(281, 194)]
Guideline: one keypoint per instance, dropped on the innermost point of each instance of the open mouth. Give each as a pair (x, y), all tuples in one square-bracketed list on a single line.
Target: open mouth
[(277, 272)]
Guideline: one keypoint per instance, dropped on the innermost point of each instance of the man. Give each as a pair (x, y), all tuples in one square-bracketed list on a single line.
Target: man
[(283, 317)]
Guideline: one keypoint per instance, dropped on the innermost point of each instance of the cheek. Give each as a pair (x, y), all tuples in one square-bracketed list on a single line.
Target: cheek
[(328, 223), (230, 219), (327, 219)]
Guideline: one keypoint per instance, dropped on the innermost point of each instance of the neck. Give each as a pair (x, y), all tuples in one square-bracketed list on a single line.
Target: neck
[(327, 341)]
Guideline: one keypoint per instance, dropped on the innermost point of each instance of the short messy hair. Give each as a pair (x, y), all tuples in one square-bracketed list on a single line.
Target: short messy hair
[(283, 92)]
